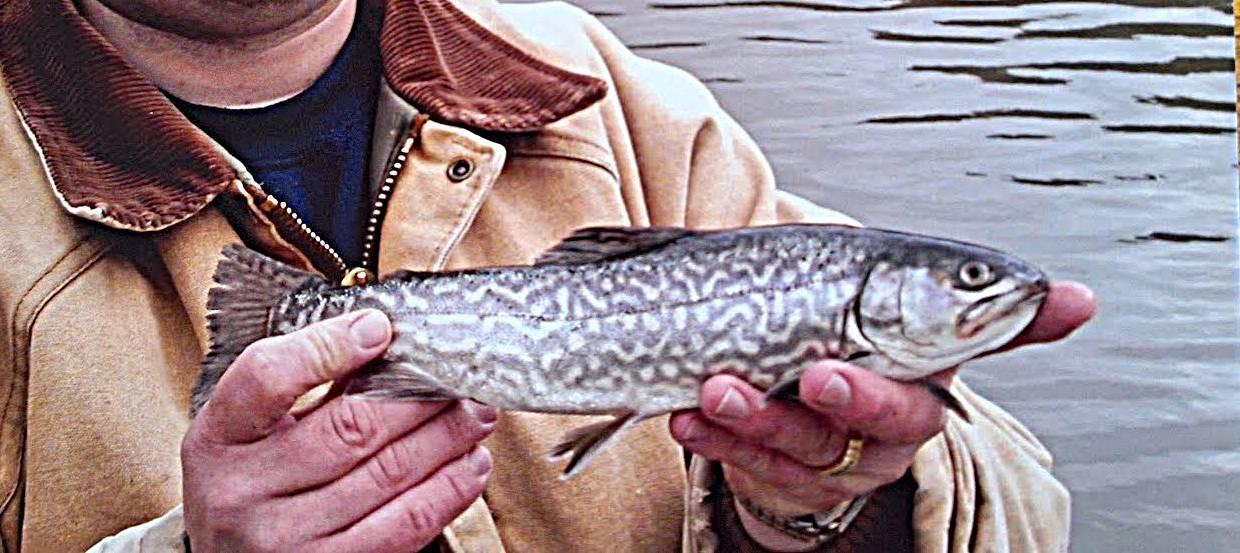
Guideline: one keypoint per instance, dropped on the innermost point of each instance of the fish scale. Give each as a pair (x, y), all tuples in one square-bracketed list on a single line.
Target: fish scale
[(632, 321)]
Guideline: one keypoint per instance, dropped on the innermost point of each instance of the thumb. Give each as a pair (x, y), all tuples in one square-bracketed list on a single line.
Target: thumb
[(260, 387)]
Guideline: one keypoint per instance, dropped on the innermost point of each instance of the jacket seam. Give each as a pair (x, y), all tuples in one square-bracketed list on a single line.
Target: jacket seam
[(556, 154), (21, 351), (545, 142)]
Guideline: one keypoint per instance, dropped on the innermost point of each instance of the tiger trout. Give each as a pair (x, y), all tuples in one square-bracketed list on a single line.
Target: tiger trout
[(632, 321)]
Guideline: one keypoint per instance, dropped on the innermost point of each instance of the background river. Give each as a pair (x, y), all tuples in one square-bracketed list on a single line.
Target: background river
[(1096, 138)]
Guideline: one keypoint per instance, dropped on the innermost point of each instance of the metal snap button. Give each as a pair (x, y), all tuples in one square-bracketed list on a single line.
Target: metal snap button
[(460, 169)]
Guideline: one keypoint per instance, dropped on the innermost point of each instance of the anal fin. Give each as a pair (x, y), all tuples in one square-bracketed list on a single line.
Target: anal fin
[(949, 400), (585, 442)]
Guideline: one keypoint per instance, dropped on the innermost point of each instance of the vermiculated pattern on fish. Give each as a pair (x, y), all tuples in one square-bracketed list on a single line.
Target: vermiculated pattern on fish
[(632, 321)]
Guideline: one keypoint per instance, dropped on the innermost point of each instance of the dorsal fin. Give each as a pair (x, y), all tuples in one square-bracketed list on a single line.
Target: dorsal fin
[(595, 244)]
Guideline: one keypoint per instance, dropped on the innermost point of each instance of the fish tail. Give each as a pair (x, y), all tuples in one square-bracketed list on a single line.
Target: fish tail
[(247, 285)]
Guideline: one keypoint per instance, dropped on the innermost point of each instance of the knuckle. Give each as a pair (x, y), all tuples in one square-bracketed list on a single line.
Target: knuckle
[(322, 349), (462, 488), (461, 491), (753, 459), (192, 442), (869, 412), (421, 521), (919, 426), (353, 424), (223, 507), (391, 466), (258, 363)]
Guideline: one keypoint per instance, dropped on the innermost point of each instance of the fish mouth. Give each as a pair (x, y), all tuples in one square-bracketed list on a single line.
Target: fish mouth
[(978, 316)]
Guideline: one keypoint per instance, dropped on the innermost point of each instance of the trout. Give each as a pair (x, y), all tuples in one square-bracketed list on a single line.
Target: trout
[(631, 321)]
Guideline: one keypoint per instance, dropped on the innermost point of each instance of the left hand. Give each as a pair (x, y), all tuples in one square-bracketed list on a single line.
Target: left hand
[(774, 452)]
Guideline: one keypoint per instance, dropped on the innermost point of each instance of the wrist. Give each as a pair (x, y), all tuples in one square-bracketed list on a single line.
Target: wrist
[(776, 532), (766, 535)]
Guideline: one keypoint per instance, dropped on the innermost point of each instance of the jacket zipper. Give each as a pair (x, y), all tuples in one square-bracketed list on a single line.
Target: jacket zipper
[(290, 227), (374, 225), (321, 254)]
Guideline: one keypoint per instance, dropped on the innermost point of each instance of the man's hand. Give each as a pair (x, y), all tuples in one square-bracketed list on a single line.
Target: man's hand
[(351, 475), (774, 452)]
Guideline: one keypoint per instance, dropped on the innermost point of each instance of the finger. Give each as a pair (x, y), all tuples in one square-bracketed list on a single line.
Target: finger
[(414, 518), (784, 426), (870, 405), (260, 387), (699, 435), (1068, 305), (392, 470), (767, 478), (338, 436)]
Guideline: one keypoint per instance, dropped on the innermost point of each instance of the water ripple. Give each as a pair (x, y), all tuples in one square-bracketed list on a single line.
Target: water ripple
[(786, 39), (1185, 65), (1226, 106), (1170, 129), (983, 114), (1181, 237), (666, 45), (1131, 30), (946, 39), (1057, 181), (1019, 136)]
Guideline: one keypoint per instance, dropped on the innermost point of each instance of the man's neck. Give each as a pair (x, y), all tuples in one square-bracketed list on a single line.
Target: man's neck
[(235, 70)]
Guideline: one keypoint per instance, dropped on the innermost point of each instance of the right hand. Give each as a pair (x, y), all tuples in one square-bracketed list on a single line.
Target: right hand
[(351, 475)]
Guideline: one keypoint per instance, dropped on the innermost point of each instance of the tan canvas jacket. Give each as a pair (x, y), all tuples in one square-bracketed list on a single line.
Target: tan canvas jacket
[(114, 208)]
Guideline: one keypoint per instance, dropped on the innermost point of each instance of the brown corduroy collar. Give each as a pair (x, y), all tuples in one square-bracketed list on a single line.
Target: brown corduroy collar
[(117, 151)]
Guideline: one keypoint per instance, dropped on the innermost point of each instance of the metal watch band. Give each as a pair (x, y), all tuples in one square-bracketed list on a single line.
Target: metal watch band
[(817, 528)]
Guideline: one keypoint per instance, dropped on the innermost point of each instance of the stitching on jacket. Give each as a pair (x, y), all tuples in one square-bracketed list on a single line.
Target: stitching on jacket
[(551, 143), (21, 352), (611, 172), (439, 257)]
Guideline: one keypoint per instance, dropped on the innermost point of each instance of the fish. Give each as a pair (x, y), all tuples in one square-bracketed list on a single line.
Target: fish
[(631, 321)]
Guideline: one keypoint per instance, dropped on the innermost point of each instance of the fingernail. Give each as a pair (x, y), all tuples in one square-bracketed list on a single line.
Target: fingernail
[(835, 393), (485, 414), (687, 430), (370, 329), (480, 460), (732, 406)]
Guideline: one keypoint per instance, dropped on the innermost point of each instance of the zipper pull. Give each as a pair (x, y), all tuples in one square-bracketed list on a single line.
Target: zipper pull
[(357, 276)]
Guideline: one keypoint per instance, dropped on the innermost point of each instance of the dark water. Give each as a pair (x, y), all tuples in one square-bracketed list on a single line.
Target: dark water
[(1096, 138)]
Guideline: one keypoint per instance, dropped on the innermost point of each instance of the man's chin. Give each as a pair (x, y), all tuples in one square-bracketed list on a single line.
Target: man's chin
[(223, 20)]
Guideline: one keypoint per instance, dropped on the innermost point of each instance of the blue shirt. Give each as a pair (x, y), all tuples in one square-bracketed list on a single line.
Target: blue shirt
[(311, 151)]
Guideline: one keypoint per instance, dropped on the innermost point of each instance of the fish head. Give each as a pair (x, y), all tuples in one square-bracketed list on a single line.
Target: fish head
[(931, 306)]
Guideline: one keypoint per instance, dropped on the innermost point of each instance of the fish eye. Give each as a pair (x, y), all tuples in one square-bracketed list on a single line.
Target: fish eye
[(975, 274)]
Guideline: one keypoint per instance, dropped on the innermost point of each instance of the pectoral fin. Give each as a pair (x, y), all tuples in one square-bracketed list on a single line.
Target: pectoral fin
[(587, 441), (945, 396), (396, 381)]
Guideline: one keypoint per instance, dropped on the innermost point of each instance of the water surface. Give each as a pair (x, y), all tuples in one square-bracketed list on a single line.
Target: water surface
[(1096, 138)]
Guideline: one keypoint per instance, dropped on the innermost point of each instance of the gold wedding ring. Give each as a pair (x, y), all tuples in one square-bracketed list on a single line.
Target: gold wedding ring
[(850, 458)]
